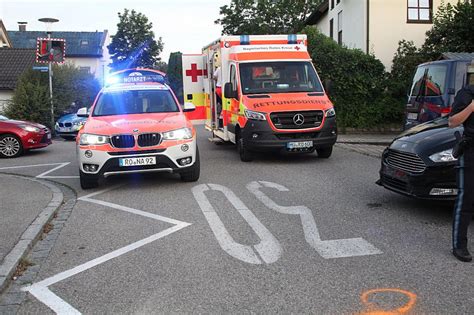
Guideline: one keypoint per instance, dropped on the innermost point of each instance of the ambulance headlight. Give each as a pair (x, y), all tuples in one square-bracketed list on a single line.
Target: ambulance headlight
[(250, 114), (443, 156), (89, 139), (330, 112), (178, 134)]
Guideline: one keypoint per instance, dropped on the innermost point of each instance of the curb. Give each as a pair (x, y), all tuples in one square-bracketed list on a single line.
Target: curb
[(32, 233)]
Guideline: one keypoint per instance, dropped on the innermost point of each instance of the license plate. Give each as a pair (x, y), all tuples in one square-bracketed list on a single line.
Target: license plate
[(138, 161), (299, 145), (396, 173), (412, 116)]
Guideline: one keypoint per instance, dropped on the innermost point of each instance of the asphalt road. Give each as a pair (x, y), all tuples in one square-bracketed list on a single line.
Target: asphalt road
[(329, 242)]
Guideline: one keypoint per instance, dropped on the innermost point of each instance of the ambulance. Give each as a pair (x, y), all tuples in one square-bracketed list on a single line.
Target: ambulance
[(136, 125), (272, 99)]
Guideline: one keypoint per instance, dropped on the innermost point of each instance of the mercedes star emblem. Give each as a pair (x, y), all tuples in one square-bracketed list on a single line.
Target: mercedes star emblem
[(135, 130), (298, 119)]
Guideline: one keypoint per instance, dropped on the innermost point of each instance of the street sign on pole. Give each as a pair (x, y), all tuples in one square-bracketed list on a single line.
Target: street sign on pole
[(41, 69)]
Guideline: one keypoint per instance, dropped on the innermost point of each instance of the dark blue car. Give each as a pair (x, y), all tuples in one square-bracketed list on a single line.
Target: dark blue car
[(68, 126)]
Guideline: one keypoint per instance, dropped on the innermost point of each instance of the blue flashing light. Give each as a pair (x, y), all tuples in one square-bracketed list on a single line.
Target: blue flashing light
[(244, 40), (292, 39)]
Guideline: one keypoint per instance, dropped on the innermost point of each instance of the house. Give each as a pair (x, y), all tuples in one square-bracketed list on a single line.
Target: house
[(376, 26), (13, 62), (86, 50), (4, 39)]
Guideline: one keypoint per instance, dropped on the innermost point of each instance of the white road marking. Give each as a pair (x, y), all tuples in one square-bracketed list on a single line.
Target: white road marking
[(45, 174), (34, 165), (40, 289), (327, 249), (269, 248)]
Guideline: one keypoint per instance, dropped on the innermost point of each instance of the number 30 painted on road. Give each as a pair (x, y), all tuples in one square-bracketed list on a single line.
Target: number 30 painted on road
[(269, 249)]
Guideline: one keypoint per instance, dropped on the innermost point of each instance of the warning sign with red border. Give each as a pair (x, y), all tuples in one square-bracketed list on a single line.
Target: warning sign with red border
[(50, 50)]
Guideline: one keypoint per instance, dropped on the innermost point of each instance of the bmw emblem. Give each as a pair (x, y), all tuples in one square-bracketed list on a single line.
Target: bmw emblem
[(135, 130)]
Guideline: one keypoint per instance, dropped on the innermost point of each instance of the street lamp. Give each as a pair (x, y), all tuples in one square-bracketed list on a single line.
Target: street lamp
[(49, 22)]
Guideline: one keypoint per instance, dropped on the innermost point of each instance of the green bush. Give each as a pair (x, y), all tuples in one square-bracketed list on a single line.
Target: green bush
[(358, 83), (31, 97)]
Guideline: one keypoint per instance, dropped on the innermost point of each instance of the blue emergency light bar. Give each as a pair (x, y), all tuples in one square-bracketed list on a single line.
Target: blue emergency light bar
[(136, 76)]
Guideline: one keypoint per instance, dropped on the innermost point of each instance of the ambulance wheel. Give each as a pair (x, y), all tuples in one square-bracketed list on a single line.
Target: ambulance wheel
[(244, 153), (324, 153), (88, 181), (192, 175)]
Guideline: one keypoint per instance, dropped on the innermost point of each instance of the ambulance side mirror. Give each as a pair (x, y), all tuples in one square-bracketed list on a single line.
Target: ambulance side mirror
[(82, 112), (328, 85), (229, 91), (188, 107)]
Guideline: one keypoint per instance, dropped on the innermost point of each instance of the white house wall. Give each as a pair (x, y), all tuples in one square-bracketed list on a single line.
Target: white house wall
[(354, 22), (388, 25), (5, 97)]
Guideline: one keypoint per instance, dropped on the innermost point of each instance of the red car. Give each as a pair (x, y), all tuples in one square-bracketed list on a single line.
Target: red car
[(18, 136)]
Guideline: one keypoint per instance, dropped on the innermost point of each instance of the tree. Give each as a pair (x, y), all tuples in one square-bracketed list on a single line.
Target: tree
[(265, 16), (452, 28), (31, 96), (134, 45), (175, 74)]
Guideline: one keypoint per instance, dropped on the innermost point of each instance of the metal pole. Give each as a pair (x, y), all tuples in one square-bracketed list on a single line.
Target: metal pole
[(50, 72)]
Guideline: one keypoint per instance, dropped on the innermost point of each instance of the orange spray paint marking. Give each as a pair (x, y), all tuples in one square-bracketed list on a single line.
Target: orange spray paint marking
[(373, 309)]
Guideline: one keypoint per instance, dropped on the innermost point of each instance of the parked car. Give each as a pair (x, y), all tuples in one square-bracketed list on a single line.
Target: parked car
[(419, 163), (18, 136), (434, 86), (68, 126)]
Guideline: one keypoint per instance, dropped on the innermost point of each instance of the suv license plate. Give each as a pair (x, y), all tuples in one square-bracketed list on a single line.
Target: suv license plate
[(299, 145), (138, 161)]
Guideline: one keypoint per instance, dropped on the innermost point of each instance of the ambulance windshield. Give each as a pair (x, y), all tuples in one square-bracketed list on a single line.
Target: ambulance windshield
[(279, 77), (135, 102)]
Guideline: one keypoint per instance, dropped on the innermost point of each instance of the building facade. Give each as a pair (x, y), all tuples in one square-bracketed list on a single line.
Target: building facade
[(376, 26), (4, 39)]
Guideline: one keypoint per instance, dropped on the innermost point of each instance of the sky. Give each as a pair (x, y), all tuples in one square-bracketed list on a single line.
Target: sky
[(183, 25)]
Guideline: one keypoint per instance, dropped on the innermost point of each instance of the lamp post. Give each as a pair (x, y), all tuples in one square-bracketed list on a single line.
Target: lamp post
[(49, 22)]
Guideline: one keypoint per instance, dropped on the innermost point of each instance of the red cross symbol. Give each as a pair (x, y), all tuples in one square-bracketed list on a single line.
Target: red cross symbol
[(297, 48), (194, 72)]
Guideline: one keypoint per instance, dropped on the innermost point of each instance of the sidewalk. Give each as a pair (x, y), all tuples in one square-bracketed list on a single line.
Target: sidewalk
[(370, 139), (27, 204)]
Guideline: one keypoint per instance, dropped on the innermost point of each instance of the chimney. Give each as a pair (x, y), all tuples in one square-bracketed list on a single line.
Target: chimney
[(22, 26)]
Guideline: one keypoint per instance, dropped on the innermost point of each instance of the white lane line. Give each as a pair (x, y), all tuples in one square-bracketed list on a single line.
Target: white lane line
[(40, 289), (327, 249), (43, 175), (34, 165), (269, 247)]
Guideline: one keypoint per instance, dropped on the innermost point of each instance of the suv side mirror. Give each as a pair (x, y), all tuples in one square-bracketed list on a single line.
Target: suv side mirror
[(188, 107), (82, 112), (229, 91)]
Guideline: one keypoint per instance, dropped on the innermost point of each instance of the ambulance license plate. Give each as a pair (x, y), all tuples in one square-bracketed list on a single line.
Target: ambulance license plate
[(299, 145), (138, 161), (412, 116)]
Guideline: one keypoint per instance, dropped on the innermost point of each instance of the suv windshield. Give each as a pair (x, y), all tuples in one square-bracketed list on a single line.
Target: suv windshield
[(429, 80), (135, 102), (279, 77)]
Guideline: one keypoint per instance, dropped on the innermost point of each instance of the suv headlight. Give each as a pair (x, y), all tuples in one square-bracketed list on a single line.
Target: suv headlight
[(30, 128), (330, 112), (250, 114), (443, 156), (89, 139), (178, 134)]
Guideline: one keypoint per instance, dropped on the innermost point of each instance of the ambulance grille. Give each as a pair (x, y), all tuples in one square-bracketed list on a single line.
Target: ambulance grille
[(405, 161), (123, 141), (149, 139), (286, 120)]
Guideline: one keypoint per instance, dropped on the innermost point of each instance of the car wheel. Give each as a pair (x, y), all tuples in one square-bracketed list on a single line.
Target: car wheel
[(324, 153), (10, 146), (192, 175), (88, 181), (244, 153)]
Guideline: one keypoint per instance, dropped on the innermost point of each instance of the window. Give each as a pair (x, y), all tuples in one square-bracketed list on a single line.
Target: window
[(420, 11), (339, 28), (331, 28), (429, 81), (332, 4), (85, 69), (233, 78), (279, 77)]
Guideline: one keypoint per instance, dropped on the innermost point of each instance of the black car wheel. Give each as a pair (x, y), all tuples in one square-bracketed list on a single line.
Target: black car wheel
[(10, 146), (324, 152), (244, 153), (88, 181)]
